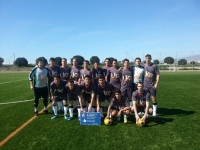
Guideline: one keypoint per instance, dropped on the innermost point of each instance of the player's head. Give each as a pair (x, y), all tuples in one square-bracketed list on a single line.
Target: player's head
[(74, 62), (148, 58), (70, 84), (118, 94), (140, 86), (64, 62), (56, 79), (126, 63), (137, 61), (87, 79), (101, 81), (52, 61), (114, 63), (86, 63), (96, 64), (107, 61), (40, 63)]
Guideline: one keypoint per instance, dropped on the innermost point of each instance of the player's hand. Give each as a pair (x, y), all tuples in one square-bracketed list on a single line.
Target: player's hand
[(137, 117), (119, 113), (52, 98), (98, 109), (155, 86), (81, 109), (107, 117), (144, 117), (31, 87)]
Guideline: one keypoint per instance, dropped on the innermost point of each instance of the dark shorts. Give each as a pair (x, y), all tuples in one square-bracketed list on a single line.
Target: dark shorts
[(127, 93), (140, 109), (87, 97), (41, 92), (151, 90), (103, 98), (72, 97), (59, 98)]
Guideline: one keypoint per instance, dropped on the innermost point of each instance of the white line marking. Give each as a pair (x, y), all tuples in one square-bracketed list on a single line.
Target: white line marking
[(16, 102), (13, 81)]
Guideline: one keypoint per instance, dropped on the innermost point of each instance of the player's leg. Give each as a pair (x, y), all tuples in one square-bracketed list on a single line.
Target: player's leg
[(71, 102), (84, 101), (101, 100), (129, 95), (113, 113), (65, 108), (50, 100), (126, 113), (44, 93), (36, 100), (154, 101), (54, 105), (94, 107)]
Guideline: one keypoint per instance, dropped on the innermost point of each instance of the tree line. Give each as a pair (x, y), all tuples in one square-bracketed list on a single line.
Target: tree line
[(23, 62)]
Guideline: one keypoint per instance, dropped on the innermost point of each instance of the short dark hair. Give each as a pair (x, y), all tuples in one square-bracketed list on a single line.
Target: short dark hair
[(56, 76), (125, 60), (40, 59), (86, 62), (87, 76), (139, 83), (70, 81), (52, 59), (101, 77), (117, 91), (114, 60), (64, 59), (148, 55), (96, 62), (107, 59), (138, 58)]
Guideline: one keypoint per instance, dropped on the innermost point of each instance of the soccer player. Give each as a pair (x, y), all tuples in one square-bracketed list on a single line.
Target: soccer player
[(105, 90), (118, 105), (106, 67), (114, 74), (140, 100), (74, 93), (97, 72), (85, 71), (75, 71), (88, 90), (64, 70), (126, 81), (58, 94), (38, 83), (138, 73), (151, 80)]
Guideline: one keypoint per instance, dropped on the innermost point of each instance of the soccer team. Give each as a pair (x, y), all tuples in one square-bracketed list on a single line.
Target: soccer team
[(127, 89)]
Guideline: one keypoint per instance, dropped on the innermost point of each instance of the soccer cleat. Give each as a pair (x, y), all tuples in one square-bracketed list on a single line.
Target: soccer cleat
[(69, 118), (36, 113), (65, 117), (46, 111), (54, 117), (125, 120)]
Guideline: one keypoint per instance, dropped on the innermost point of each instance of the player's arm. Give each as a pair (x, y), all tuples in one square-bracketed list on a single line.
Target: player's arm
[(108, 112), (146, 111), (107, 75), (80, 102), (91, 102), (124, 109), (157, 77), (135, 111), (31, 77), (79, 81), (98, 104)]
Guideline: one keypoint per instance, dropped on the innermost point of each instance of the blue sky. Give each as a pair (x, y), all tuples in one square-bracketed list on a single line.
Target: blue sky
[(103, 28)]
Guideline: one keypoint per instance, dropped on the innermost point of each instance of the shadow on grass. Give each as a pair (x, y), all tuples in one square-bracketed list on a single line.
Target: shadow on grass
[(169, 111)]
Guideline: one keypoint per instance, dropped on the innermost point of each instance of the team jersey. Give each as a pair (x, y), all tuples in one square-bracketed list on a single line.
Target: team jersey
[(75, 72), (126, 78), (151, 71), (65, 73), (91, 89), (140, 99), (138, 74), (96, 73), (58, 90), (114, 75), (105, 91), (84, 72), (53, 71), (105, 69), (39, 76), (116, 104), (76, 90)]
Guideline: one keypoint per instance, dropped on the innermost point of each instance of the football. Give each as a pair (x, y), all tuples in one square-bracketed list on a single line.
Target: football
[(108, 122), (140, 122)]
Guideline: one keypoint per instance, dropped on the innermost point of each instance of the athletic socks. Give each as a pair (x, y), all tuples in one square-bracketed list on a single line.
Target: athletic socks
[(79, 111), (35, 109), (55, 110), (71, 111), (154, 109), (45, 108), (65, 110)]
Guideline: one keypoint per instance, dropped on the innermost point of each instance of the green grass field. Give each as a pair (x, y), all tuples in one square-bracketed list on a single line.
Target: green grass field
[(178, 126)]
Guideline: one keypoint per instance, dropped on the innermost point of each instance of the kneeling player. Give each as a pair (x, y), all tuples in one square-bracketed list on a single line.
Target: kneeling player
[(140, 100), (118, 105), (58, 94), (88, 90), (74, 93)]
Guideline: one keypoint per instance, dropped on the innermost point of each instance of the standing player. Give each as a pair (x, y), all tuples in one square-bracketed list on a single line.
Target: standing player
[(138, 73), (118, 105), (151, 80), (58, 94), (114, 74), (38, 83), (126, 80), (64, 70), (105, 91), (106, 67), (74, 93), (88, 90), (85, 71), (97, 72), (75, 71), (140, 100)]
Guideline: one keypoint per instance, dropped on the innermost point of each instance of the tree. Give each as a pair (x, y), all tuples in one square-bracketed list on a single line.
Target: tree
[(79, 59), (192, 62), (169, 60), (144, 61), (94, 59), (156, 61), (1, 61), (44, 60), (21, 62), (182, 62), (58, 61)]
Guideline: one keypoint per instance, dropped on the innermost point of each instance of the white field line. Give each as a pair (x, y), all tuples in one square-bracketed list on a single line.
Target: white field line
[(13, 81), (16, 102)]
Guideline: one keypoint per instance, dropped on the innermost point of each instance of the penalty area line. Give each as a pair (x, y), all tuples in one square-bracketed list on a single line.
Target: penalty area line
[(16, 102), (19, 129), (12, 81)]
